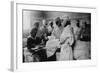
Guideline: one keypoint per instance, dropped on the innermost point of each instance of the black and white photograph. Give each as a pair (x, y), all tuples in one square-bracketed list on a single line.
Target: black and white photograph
[(55, 36)]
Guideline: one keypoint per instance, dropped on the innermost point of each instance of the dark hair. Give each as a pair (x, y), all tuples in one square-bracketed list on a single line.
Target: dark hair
[(67, 23), (36, 24), (34, 29), (78, 23), (58, 21), (51, 24), (33, 32)]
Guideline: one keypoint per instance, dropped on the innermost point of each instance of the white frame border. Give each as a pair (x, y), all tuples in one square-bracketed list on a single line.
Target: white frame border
[(16, 64)]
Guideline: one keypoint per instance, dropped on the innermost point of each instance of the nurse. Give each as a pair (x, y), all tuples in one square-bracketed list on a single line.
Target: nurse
[(66, 41)]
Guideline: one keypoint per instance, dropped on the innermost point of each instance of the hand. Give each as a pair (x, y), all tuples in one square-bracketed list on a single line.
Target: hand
[(35, 48), (59, 46)]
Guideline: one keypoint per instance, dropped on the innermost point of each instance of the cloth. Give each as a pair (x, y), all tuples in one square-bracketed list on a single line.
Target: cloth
[(67, 35), (77, 32), (66, 40), (57, 32), (82, 50), (32, 42), (66, 53), (51, 46)]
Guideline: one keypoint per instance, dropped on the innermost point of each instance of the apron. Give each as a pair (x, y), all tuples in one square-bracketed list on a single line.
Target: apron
[(66, 53)]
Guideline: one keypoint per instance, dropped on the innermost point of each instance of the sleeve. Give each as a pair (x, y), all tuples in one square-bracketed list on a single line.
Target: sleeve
[(53, 32), (71, 37), (30, 43), (67, 36), (63, 36)]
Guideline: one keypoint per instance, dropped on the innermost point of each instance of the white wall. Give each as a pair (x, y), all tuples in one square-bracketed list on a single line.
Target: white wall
[(31, 16), (5, 35)]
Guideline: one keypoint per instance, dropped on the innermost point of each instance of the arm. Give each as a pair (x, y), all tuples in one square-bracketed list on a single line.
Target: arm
[(30, 43)]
